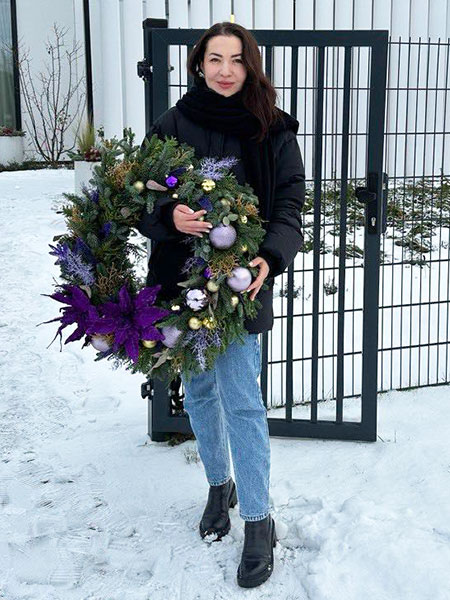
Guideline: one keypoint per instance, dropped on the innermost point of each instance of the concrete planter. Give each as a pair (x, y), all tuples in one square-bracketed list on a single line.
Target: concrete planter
[(11, 149), (83, 173)]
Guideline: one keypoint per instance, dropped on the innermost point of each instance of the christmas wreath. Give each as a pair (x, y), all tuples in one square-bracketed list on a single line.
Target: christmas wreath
[(102, 292)]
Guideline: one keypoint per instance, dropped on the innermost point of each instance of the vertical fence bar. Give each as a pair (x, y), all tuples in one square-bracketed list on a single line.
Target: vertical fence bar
[(372, 240), (343, 235), (318, 139), (290, 282)]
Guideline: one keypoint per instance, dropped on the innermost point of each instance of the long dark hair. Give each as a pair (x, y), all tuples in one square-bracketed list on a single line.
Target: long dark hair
[(258, 94)]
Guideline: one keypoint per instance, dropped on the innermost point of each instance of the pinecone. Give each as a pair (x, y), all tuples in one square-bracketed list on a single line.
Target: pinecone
[(93, 154)]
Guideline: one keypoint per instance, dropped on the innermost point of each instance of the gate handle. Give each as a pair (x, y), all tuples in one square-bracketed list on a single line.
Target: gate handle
[(368, 196)]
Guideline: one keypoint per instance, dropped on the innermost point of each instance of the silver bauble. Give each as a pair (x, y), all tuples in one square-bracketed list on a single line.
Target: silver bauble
[(196, 299), (223, 236), (240, 280), (100, 343), (171, 335)]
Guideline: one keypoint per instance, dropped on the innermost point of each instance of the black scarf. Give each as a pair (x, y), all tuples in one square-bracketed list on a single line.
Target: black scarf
[(228, 114)]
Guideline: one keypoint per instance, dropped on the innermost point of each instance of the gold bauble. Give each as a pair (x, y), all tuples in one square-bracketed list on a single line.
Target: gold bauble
[(234, 300), (208, 184), (244, 218), (195, 323), (244, 248), (212, 286), (209, 322), (175, 195), (175, 307), (149, 343), (225, 202), (139, 186)]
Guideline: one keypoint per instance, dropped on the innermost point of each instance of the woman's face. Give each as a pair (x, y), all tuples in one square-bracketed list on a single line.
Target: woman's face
[(222, 64)]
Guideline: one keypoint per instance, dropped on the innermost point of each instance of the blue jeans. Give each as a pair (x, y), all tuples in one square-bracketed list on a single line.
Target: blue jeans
[(226, 409)]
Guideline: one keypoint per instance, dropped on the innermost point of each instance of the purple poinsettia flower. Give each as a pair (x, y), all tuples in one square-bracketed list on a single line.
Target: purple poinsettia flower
[(131, 320), (79, 311)]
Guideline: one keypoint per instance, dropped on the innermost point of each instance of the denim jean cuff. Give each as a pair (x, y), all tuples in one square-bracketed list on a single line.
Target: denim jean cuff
[(220, 482), (256, 517)]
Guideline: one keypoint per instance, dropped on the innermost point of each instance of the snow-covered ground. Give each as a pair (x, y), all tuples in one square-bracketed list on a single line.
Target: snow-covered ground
[(91, 509)]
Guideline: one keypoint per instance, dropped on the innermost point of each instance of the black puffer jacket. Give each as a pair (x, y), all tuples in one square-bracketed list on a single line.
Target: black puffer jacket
[(283, 237)]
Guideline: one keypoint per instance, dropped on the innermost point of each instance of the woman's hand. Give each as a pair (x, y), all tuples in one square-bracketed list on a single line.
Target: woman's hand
[(263, 272), (185, 220)]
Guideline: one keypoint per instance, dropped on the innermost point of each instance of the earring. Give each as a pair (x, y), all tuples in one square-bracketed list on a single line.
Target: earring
[(201, 73)]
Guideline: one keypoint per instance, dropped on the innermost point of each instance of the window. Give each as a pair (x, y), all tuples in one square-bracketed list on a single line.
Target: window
[(7, 97)]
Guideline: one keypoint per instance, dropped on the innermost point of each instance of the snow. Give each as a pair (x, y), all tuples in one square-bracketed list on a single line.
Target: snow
[(91, 508)]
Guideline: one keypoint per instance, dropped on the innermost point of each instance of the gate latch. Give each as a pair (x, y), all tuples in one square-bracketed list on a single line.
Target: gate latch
[(368, 195)]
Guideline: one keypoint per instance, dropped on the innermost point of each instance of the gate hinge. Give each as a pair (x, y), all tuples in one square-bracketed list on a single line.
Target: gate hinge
[(144, 69), (147, 390)]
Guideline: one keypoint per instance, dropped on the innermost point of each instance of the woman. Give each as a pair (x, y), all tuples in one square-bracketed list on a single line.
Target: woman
[(230, 111)]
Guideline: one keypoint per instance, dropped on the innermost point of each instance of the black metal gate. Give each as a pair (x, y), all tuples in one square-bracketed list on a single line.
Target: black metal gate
[(325, 54)]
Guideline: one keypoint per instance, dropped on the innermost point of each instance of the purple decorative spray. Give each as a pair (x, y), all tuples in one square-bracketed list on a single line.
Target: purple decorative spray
[(213, 168)]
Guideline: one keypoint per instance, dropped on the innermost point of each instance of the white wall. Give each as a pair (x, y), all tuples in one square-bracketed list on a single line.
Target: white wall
[(116, 38), (35, 19)]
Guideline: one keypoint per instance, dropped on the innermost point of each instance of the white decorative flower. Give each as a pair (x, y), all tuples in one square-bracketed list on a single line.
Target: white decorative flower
[(196, 299)]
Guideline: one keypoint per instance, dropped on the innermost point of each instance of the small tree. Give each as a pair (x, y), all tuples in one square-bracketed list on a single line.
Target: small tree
[(47, 104)]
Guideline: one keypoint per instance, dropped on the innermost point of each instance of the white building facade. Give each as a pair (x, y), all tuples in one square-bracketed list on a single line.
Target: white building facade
[(116, 38)]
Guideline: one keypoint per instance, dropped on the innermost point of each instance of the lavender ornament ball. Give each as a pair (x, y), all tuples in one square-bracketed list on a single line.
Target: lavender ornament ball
[(100, 343), (222, 236), (240, 280), (171, 335)]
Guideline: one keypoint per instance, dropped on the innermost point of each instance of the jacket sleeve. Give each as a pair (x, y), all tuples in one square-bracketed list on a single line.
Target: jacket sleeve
[(284, 237), (159, 225)]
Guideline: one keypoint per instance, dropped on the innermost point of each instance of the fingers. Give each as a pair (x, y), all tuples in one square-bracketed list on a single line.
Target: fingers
[(255, 290), (187, 221), (188, 213)]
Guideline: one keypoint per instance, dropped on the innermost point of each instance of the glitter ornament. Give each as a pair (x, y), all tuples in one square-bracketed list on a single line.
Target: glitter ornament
[(222, 236), (194, 323), (209, 322), (234, 300), (171, 335), (244, 219), (196, 299), (240, 279), (139, 186), (100, 343), (149, 343), (212, 286), (208, 185), (171, 181)]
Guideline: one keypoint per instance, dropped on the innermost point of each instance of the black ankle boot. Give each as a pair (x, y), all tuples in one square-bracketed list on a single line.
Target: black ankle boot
[(257, 556), (215, 517)]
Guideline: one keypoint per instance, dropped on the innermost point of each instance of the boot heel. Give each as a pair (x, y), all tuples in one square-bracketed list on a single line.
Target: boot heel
[(233, 499), (275, 539)]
